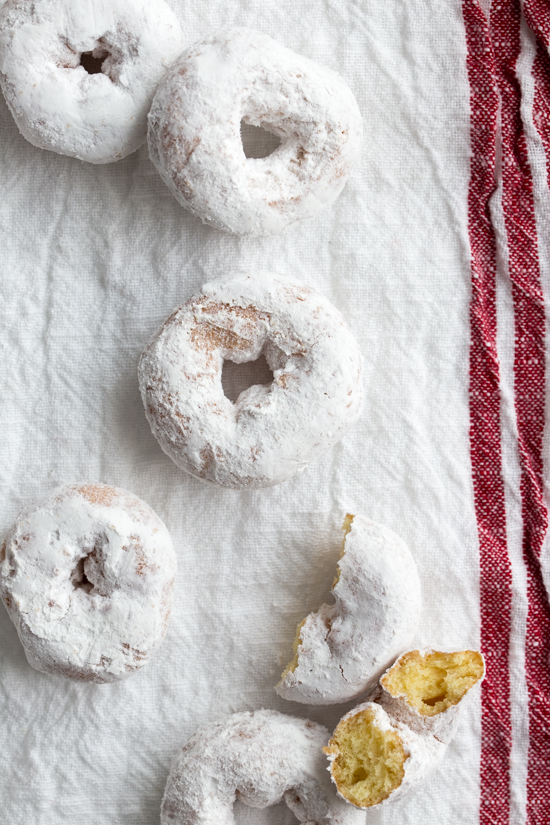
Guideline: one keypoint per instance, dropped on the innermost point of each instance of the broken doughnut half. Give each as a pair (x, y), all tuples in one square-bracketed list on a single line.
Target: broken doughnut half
[(424, 689), (382, 749), (342, 649)]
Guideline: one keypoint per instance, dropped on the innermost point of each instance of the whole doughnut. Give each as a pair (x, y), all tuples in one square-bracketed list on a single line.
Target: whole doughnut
[(272, 430), (195, 133), (260, 758), (57, 104), (86, 574)]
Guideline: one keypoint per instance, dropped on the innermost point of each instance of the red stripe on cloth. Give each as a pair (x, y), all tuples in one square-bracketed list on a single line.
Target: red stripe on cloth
[(529, 379), (485, 434), (537, 651), (537, 14)]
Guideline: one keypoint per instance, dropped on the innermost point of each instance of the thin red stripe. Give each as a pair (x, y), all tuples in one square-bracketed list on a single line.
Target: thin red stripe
[(529, 384), (495, 572)]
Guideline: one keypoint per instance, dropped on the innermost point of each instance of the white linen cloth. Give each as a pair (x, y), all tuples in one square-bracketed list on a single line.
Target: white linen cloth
[(93, 259)]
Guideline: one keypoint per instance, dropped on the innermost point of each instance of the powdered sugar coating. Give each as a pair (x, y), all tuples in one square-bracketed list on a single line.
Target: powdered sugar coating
[(346, 646), (260, 758), (274, 430), (195, 139), (87, 575), (423, 751), (56, 104)]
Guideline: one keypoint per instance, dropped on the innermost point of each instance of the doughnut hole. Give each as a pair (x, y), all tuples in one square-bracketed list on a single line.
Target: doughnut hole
[(432, 682), (90, 574), (91, 63), (258, 141), (79, 579), (236, 378), (369, 762), (104, 58), (278, 814)]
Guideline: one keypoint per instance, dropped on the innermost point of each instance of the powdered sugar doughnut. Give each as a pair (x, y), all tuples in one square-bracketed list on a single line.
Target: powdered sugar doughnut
[(260, 758), (195, 138), (57, 104), (343, 648), (272, 430), (87, 574)]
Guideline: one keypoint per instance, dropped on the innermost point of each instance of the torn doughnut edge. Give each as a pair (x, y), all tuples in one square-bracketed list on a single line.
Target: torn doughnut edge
[(293, 664), (370, 746)]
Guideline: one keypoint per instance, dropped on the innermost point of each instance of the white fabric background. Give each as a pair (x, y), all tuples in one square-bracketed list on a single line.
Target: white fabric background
[(93, 259)]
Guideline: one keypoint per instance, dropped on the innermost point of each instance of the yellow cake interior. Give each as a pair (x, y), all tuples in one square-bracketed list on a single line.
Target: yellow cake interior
[(432, 682), (369, 762), (346, 527), (291, 667)]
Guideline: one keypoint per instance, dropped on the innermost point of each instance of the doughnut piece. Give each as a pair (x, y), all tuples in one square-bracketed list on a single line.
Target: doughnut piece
[(86, 574), (342, 650), (374, 759), (79, 75), (381, 750), (424, 689), (260, 758), (195, 133), (273, 430)]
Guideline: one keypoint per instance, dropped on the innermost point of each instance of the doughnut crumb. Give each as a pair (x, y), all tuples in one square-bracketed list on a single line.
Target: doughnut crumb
[(369, 762), (433, 681), (346, 527)]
